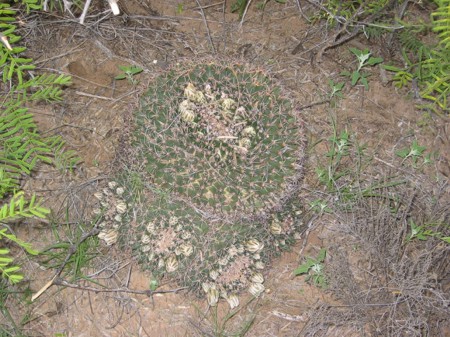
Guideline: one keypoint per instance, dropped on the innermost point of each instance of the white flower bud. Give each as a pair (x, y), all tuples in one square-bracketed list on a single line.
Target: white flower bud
[(213, 296), (186, 249), (257, 278), (214, 274), (145, 239), (109, 236), (232, 251), (150, 227), (98, 195), (146, 248), (259, 265), (249, 131), (121, 207), (112, 184), (171, 264), (254, 246), (233, 301), (275, 228), (256, 289)]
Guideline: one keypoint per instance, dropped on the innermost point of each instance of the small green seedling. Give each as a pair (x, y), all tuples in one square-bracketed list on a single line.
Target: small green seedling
[(180, 8), (128, 73), (154, 284), (239, 6), (424, 232), (339, 148), (418, 232), (320, 206), (336, 89), (313, 268), (401, 76), (415, 151), (364, 60)]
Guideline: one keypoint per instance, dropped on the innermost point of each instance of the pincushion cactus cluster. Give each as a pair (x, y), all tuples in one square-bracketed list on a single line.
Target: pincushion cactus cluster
[(223, 146)]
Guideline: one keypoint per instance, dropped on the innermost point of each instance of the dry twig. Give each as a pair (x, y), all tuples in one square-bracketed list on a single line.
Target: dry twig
[(84, 13), (72, 250), (206, 26), (147, 292), (245, 13)]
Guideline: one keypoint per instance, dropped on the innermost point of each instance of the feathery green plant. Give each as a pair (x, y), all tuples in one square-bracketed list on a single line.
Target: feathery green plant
[(427, 65), (441, 22), (21, 145), (17, 208), (352, 11)]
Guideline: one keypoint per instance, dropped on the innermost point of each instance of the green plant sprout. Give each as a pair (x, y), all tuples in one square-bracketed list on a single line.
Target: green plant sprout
[(339, 149), (426, 65), (320, 206), (154, 284), (364, 60), (414, 152), (55, 255), (418, 232), (180, 8), (313, 268), (336, 89), (129, 73), (423, 232), (239, 6)]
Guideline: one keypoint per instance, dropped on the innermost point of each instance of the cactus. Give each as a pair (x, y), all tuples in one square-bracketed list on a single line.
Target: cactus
[(224, 147), (223, 138)]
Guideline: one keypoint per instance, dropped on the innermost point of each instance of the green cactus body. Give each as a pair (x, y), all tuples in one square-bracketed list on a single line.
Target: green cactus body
[(222, 138), (223, 148)]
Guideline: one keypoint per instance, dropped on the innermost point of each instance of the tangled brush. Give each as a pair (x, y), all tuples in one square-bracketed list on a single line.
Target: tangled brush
[(223, 148)]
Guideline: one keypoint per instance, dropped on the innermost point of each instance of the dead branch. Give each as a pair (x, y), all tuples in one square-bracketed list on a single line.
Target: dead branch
[(72, 250), (148, 292), (202, 12)]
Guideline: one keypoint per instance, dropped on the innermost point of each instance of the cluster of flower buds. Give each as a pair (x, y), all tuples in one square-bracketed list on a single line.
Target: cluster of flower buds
[(110, 211)]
